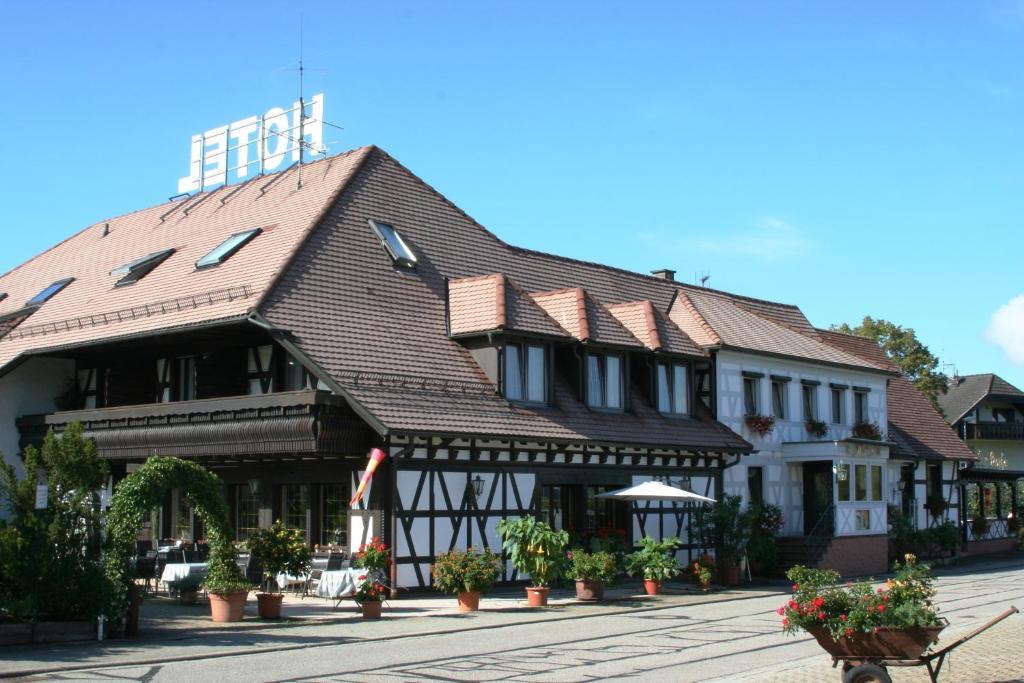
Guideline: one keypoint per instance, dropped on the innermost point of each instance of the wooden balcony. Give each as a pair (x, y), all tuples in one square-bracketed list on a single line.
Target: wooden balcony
[(305, 423), (999, 431)]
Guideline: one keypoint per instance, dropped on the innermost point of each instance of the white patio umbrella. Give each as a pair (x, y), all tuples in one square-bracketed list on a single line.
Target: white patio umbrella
[(655, 490)]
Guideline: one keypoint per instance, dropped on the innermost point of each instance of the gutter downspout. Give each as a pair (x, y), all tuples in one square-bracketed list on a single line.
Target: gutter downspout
[(283, 339)]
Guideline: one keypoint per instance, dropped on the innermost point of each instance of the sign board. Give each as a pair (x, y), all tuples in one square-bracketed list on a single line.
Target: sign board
[(254, 145), (42, 496)]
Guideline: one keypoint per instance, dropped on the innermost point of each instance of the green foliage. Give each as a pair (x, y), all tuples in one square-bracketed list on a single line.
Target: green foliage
[(461, 572), (280, 550), (655, 560), (936, 541), (703, 569), (867, 430), (936, 505), (142, 490), (373, 555), (597, 566), (534, 548), (913, 358), (765, 522), (370, 590), (816, 428), (727, 526), (50, 559), (818, 602)]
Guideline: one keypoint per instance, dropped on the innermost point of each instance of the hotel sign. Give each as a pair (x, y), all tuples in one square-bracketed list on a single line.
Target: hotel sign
[(256, 144)]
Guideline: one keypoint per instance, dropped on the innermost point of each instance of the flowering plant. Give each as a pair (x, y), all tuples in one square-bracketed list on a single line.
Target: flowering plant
[(656, 560), (461, 572), (584, 566), (762, 425), (816, 428), (372, 555), (370, 590), (767, 519), (905, 601), (867, 430), (703, 569)]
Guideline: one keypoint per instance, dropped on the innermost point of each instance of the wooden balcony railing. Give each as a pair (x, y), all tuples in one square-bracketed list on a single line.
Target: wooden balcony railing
[(1005, 431)]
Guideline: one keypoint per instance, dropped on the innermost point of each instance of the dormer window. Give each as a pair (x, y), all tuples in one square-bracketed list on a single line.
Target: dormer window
[(672, 389), (604, 381), (396, 247), (526, 373)]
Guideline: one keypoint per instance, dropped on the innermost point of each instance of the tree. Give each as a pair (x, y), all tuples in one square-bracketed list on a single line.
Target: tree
[(913, 358)]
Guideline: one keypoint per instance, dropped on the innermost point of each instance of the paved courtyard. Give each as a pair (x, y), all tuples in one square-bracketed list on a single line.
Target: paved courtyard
[(685, 637)]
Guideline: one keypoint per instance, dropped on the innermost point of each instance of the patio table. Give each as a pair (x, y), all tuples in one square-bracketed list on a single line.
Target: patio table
[(176, 574), (285, 580), (339, 583)]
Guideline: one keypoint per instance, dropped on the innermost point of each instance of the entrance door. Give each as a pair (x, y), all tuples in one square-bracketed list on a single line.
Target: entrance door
[(575, 508), (817, 495)]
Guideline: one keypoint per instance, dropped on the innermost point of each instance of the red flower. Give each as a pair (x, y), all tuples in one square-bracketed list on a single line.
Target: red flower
[(879, 591), (781, 611), (819, 601), (842, 617), (792, 604), (785, 623), (796, 587), (362, 577), (821, 616), (848, 632), (881, 608)]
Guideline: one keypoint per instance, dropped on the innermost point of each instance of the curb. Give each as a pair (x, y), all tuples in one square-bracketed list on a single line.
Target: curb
[(142, 661)]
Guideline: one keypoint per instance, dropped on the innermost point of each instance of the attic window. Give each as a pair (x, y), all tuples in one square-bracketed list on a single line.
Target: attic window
[(140, 268), (45, 295), (227, 248), (396, 247)]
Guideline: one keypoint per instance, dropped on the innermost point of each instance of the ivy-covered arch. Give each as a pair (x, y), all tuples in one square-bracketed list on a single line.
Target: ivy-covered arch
[(144, 489)]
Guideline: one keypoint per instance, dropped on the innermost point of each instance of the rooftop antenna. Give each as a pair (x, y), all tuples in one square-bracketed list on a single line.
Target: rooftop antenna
[(955, 374), (302, 107), (704, 279)]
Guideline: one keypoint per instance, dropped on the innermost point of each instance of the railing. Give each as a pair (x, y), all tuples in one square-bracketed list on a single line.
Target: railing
[(995, 529), (1009, 431), (821, 535)]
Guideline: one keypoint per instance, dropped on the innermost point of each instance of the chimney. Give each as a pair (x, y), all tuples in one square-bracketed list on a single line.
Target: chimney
[(664, 274)]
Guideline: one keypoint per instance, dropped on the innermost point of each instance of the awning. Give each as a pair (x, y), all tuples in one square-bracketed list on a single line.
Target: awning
[(655, 490)]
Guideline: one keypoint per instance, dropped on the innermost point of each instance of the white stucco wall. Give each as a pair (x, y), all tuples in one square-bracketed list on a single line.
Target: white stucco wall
[(783, 478), (28, 389)]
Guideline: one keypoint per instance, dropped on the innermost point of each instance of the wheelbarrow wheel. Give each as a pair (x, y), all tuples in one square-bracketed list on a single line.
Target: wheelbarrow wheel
[(866, 673)]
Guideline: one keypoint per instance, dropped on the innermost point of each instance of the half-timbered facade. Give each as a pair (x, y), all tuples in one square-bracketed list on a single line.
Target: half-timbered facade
[(276, 331)]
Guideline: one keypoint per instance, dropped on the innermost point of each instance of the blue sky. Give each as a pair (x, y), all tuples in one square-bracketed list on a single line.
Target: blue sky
[(851, 158)]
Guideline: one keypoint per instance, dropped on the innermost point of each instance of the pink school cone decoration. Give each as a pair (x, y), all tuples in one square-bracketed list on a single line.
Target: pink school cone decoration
[(376, 457)]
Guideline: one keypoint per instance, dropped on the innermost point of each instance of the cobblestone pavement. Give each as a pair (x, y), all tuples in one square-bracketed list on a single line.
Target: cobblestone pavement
[(733, 640)]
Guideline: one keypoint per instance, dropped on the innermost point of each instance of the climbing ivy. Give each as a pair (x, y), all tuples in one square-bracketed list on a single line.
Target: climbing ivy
[(140, 492)]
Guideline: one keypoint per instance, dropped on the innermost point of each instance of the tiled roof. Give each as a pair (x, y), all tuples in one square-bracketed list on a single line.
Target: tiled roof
[(585, 319), (174, 294), (708, 316), (653, 328), (491, 302), (964, 393), (914, 425), (399, 331)]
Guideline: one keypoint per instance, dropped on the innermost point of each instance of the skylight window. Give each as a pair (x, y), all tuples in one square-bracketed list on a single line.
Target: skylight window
[(140, 268), (226, 248), (396, 247), (45, 295)]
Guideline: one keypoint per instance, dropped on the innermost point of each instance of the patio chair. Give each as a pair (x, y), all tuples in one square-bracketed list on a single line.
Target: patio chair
[(335, 561)]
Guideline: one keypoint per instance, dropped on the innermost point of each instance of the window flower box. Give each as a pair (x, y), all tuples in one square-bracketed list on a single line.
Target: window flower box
[(816, 428), (762, 425), (867, 430)]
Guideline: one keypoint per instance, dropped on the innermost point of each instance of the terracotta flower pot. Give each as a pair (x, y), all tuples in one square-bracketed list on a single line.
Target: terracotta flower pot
[(371, 609), (728, 573), (189, 597), (270, 605), (589, 590), (705, 586), (537, 596), (652, 586), (469, 601), (228, 606)]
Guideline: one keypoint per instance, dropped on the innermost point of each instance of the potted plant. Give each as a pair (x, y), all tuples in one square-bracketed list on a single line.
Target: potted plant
[(536, 550), (281, 551), (816, 428), (591, 572), (373, 556), (762, 425), (369, 596), (898, 620), (703, 570), (225, 583), (655, 561), (466, 574), (979, 525), (728, 527), (867, 430)]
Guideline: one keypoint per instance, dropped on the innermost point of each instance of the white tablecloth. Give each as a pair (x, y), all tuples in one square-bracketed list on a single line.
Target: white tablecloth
[(285, 580), (340, 583), (175, 573)]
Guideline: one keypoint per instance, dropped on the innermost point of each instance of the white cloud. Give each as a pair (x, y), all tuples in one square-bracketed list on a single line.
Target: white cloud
[(1006, 329), (770, 239)]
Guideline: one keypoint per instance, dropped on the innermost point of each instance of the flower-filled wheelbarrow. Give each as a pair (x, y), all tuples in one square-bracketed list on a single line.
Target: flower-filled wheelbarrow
[(867, 655)]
